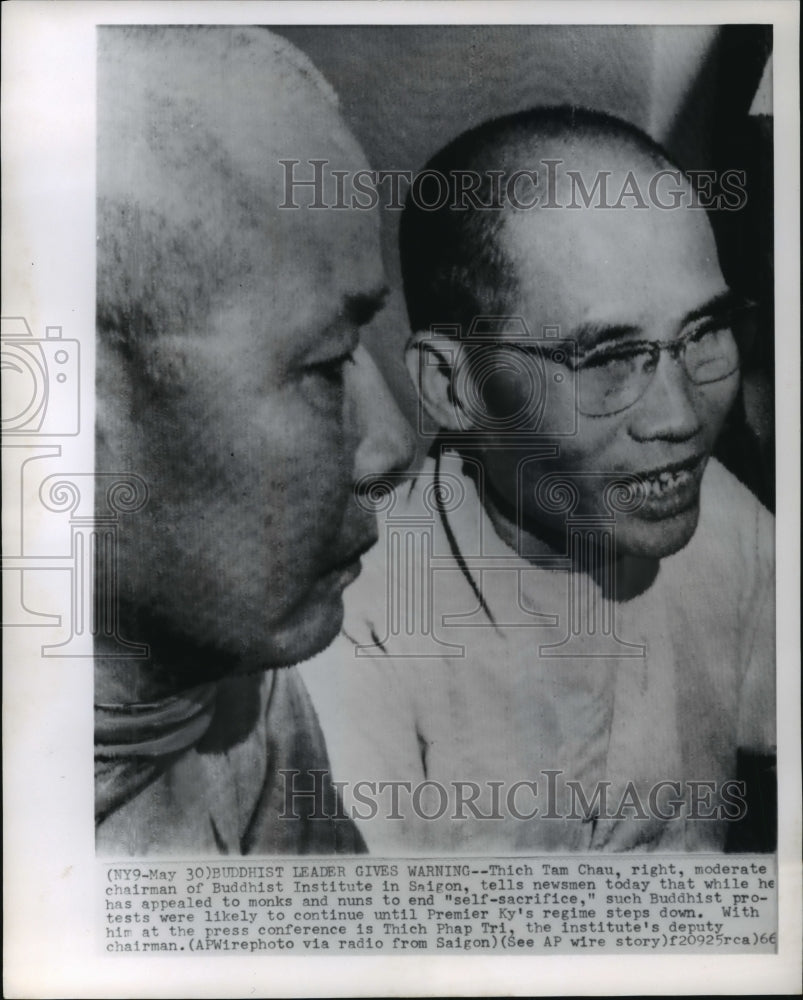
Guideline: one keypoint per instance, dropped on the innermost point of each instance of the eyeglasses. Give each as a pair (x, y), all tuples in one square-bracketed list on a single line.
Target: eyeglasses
[(613, 377)]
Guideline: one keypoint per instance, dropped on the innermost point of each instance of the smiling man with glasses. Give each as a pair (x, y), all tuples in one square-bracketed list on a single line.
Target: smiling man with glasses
[(571, 620)]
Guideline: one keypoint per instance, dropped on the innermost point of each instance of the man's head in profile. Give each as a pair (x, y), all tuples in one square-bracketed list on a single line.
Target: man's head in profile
[(628, 363), (230, 376)]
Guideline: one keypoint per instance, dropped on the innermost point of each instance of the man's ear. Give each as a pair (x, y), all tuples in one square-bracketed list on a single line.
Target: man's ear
[(431, 363)]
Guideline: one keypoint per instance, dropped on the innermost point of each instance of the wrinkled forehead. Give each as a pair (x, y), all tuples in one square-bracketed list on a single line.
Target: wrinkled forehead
[(193, 124)]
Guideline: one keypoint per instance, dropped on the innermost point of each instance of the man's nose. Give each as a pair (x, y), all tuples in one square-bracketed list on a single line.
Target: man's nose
[(667, 410), (385, 437)]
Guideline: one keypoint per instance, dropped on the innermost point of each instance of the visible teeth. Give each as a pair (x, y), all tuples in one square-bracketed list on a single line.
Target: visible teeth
[(666, 481)]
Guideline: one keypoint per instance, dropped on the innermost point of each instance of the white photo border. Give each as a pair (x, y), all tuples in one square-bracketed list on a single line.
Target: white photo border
[(48, 277)]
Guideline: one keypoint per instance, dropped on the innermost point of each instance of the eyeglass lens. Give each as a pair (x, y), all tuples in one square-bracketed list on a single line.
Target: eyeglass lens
[(614, 379)]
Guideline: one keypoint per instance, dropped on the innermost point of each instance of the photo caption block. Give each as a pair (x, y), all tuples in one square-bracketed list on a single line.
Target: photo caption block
[(534, 906)]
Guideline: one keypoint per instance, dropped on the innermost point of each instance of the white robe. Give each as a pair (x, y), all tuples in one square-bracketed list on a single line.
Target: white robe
[(495, 706)]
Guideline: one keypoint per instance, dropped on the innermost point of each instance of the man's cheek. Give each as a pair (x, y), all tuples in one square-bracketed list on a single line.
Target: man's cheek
[(719, 402), (309, 493)]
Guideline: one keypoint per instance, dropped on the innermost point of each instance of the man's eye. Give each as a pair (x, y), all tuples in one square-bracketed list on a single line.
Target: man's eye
[(331, 370)]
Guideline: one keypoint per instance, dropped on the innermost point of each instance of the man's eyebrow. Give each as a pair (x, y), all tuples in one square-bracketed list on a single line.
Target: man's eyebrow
[(361, 308), (590, 335), (722, 303)]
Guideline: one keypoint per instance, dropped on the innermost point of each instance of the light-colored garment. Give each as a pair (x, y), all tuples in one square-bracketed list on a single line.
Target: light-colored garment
[(210, 780), (496, 706)]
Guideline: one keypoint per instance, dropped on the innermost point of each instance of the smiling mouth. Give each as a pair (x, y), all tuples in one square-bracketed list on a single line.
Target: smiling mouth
[(672, 489), (664, 480)]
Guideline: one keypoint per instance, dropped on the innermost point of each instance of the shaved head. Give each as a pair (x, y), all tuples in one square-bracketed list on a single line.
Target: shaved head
[(191, 123), (454, 262)]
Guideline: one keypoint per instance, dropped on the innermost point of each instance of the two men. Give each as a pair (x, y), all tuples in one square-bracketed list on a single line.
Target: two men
[(566, 629), (564, 640), (231, 380)]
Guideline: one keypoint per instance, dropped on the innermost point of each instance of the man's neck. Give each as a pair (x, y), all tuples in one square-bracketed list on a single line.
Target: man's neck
[(533, 545), (126, 681), (630, 575), (175, 663)]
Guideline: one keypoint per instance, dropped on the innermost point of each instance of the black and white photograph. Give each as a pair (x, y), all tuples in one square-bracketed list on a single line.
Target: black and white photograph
[(572, 603), (396, 490)]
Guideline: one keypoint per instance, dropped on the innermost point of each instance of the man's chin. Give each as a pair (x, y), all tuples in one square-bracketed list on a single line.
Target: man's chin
[(656, 539), (211, 647), (312, 630)]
